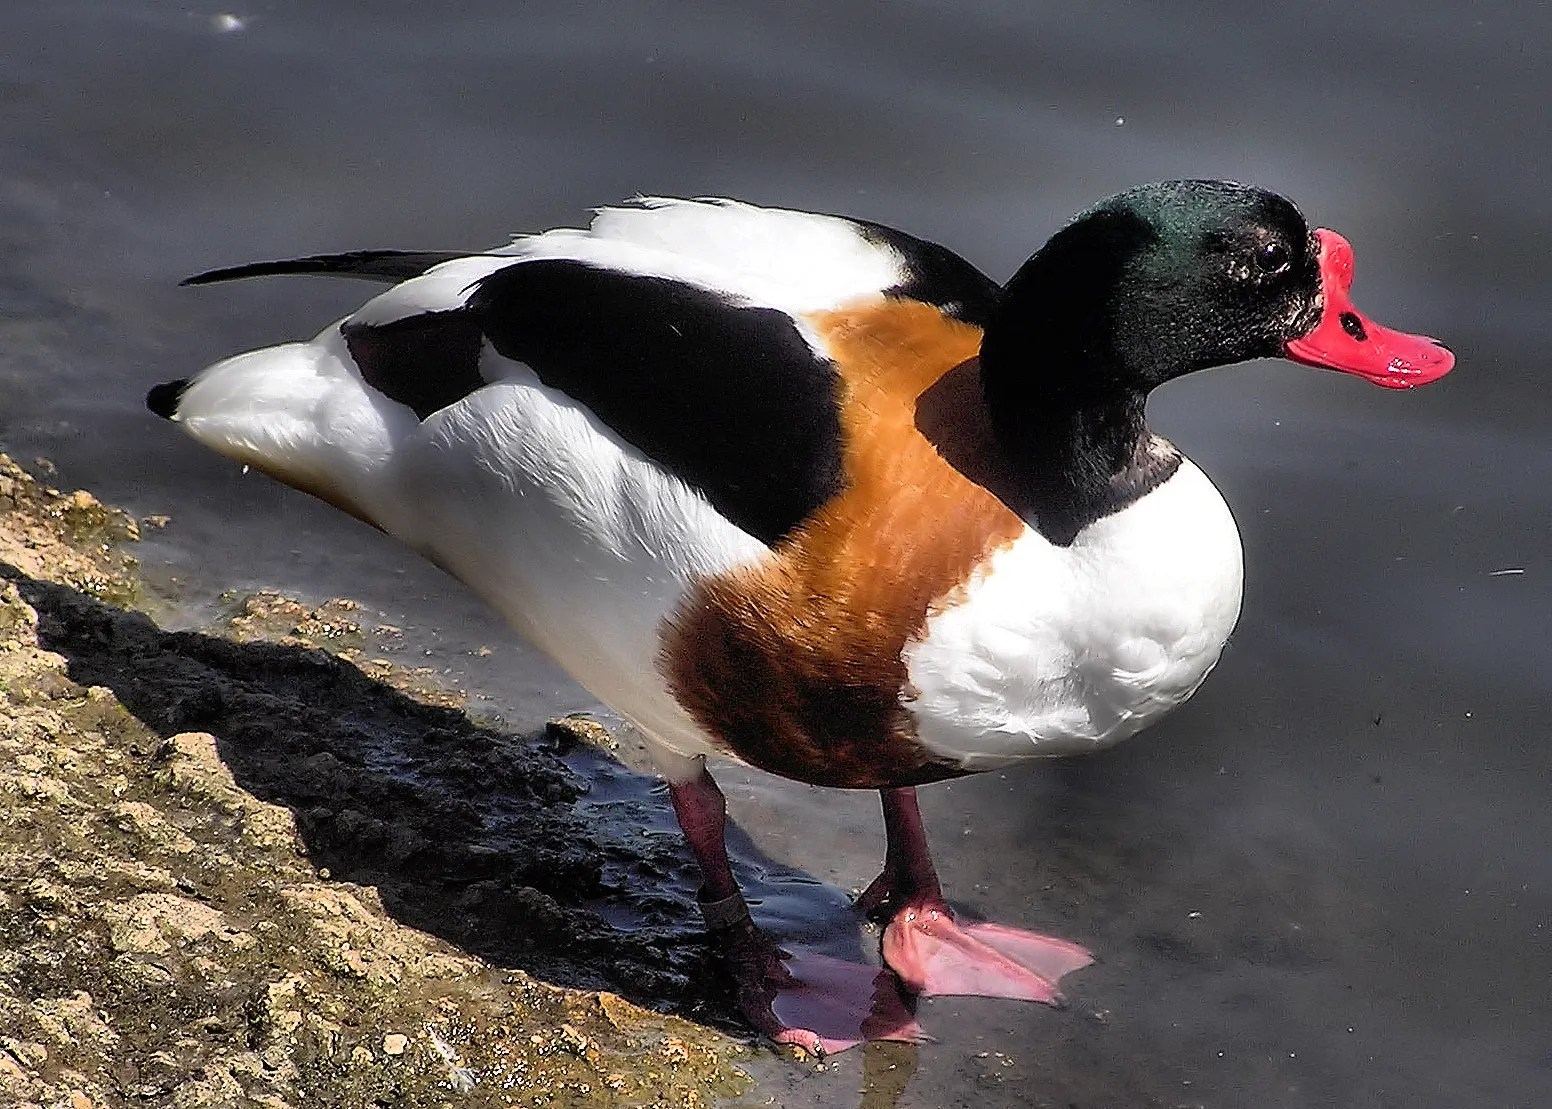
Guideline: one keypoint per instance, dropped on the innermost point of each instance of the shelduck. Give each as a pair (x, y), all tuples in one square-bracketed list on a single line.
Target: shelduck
[(811, 494)]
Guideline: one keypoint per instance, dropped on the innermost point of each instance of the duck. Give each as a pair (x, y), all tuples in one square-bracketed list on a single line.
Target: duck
[(811, 494)]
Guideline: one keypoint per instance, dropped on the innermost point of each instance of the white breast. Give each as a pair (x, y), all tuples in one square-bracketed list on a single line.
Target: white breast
[(1060, 650)]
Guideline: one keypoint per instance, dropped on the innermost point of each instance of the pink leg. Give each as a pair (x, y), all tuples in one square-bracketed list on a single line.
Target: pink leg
[(907, 862), (819, 1004), (934, 954)]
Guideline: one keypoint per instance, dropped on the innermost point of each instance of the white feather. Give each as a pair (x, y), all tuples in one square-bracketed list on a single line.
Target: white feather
[(301, 413), (1060, 650), (769, 257), (581, 542)]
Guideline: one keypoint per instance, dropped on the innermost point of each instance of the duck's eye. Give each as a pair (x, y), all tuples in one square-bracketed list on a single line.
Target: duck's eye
[(1271, 257)]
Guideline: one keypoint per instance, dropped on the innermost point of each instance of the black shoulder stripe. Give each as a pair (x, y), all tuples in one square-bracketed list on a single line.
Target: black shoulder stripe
[(731, 399), (938, 276), (389, 266), (427, 362)]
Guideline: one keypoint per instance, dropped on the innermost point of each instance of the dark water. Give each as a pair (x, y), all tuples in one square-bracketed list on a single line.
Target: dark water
[(1327, 881)]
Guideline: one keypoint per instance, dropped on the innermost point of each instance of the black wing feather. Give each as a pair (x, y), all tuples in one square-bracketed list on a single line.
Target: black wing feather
[(730, 398), (937, 276), (388, 266)]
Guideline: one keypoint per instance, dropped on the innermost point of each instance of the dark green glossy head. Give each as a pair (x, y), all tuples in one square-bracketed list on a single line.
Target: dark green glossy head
[(1158, 281)]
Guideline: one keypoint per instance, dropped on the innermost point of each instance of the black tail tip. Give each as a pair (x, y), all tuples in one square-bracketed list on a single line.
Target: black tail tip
[(163, 399)]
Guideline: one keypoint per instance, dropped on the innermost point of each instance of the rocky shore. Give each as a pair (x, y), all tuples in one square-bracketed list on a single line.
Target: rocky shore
[(261, 865)]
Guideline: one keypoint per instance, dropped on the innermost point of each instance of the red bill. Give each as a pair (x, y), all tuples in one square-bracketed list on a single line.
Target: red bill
[(1347, 340)]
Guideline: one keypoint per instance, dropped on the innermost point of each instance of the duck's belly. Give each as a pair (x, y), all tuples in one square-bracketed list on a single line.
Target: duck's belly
[(578, 540), (1060, 650)]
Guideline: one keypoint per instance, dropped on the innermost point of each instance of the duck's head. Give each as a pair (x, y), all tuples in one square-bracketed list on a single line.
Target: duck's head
[(1168, 278)]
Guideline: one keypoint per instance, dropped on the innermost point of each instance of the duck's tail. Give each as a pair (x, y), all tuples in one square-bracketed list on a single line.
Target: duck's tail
[(298, 412), (326, 416)]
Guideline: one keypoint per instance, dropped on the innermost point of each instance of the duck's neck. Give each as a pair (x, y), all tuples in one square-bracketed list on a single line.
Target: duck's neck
[(1065, 459), (1074, 453), (1065, 378)]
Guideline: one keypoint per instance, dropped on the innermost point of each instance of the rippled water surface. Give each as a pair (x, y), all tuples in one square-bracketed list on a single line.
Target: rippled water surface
[(1326, 881)]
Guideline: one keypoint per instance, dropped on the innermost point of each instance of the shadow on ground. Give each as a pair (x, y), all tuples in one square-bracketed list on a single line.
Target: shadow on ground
[(468, 833)]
